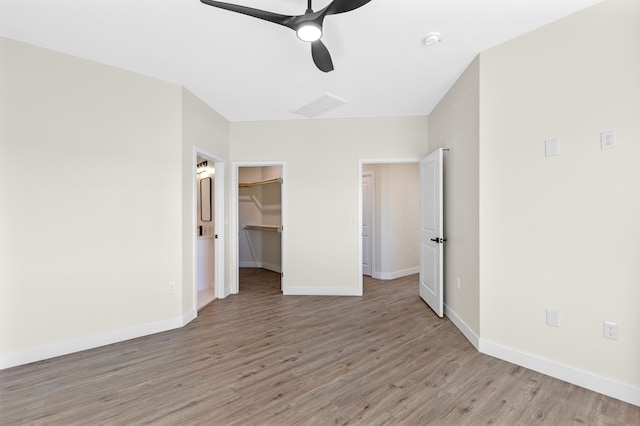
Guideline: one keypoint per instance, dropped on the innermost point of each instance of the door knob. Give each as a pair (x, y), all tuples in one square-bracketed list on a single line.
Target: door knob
[(439, 240)]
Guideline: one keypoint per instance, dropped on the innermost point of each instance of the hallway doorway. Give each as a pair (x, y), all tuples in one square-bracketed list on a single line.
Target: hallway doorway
[(209, 214), (389, 217)]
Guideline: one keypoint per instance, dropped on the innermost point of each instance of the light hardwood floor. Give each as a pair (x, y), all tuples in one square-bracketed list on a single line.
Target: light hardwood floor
[(259, 358)]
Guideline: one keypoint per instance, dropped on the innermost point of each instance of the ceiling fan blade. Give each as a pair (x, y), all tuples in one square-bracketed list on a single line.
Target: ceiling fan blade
[(256, 13), (341, 6), (321, 56)]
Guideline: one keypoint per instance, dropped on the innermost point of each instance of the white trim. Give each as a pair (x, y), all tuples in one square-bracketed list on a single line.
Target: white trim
[(93, 341), (372, 215), (359, 228), (612, 388), (395, 274), (187, 317), (234, 243), (389, 160), (271, 267), (268, 266), (471, 336), (220, 224), (322, 291)]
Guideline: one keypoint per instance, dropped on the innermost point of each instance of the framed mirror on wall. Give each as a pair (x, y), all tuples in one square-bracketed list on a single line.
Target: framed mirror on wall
[(205, 199)]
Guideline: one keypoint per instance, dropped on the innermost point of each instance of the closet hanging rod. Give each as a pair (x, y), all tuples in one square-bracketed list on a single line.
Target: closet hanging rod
[(266, 228), (260, 182)]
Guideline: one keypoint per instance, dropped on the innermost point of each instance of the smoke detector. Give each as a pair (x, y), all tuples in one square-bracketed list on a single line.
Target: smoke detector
[(432, 38)]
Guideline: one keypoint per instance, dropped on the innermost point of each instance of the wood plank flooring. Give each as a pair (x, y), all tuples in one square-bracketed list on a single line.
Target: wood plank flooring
[(259, 358)]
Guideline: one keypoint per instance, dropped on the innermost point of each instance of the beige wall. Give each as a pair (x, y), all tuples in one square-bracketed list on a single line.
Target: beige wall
[(322, 187), (454, 124), (563, 232), (97, 202), (90, 198)]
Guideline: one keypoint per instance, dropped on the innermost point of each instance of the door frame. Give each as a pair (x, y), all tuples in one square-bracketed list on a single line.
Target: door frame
[(234, 262), (218, 223), (372, 217), (361, 162)]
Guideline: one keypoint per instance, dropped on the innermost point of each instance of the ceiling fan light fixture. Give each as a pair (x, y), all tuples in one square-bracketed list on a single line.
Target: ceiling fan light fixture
[(309, 31)]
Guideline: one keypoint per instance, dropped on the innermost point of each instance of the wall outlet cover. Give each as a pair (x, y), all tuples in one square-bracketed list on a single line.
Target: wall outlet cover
[(610, 330), (608, 139)]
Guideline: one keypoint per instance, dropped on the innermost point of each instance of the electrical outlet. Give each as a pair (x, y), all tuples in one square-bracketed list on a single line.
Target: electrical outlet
[(172, 288), (458, 282), (608, 139), (324, 266), (610, 330)]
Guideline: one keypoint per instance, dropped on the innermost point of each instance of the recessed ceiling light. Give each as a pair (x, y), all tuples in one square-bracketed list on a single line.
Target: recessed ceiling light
[(432, 38)]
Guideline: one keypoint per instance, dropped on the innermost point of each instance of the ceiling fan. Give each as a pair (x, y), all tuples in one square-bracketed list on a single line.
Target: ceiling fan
[(308, 26)]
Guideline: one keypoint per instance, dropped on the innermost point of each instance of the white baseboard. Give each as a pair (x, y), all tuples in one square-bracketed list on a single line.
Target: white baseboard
[(267, 266), (189, 316), (395, 274), (612, 388), (621, 391), (321, 291), (89, 342), (462, 326), (271, 267)]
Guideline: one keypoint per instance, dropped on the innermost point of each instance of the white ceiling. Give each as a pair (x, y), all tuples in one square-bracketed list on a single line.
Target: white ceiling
[(249, 69)]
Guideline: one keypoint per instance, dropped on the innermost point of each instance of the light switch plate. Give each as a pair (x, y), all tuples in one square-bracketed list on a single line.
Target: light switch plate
[(551, 147), (553, 317)]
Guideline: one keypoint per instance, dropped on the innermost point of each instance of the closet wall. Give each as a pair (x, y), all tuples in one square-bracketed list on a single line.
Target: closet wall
[(260, 205)]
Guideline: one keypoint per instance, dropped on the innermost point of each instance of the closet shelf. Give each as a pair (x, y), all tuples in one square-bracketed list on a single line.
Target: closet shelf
[(260, 182), (266, 228)]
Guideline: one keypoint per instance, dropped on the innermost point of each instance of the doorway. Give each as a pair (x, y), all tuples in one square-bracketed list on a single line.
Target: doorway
[(209, 211), (390, 203), (260, 219)]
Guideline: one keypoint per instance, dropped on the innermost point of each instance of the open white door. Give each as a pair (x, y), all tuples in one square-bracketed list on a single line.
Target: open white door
[(431, 239)]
